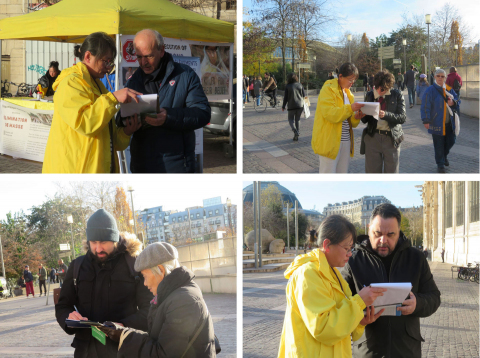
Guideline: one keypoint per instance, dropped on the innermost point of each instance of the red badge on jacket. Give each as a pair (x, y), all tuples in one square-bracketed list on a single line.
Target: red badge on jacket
[(172, 82)]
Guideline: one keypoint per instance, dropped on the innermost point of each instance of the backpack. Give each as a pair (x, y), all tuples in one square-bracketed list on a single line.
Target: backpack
[(79, 260), (456, 85), (274, 80)]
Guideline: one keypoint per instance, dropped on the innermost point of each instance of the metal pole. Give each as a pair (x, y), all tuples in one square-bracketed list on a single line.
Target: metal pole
[(1, 254), (428, 64), (404, 59), (349, 54), (73, 245), (255, 220), (288, 232), (259, 197), (134, 219), (381, 56), (296, 227)]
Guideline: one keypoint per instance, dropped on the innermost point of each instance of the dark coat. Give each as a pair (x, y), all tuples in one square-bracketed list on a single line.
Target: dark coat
[(294, 96), (395, 115), (27, 275), (389, 336), (46, 81), (172, 322), (106, 292), (170, 148)]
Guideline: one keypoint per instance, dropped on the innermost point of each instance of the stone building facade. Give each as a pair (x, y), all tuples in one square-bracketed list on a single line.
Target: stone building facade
[(357, 211), (451, 220)]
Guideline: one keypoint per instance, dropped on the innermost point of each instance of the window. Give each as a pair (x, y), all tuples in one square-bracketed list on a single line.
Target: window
[(192, 226), (210, 213), (192, 216), (216, 211), (198, 215), (474, 201), (448, 205), (173, 219), (231, 5), (186, 217), (460, 202)]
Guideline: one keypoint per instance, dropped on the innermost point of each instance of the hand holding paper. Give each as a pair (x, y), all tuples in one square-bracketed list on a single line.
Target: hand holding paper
[(409, 305), (146, 104), (371, 109)]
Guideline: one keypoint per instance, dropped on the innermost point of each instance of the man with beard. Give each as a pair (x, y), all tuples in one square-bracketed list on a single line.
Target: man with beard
[(103, 286), (386, 255)]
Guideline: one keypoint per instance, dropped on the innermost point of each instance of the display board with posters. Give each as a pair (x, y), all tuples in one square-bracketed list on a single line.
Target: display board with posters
[(24, 131)]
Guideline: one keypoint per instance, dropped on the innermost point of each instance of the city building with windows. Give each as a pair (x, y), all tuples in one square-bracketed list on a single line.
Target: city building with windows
[(451, 220), (195, 224), (357, 211)]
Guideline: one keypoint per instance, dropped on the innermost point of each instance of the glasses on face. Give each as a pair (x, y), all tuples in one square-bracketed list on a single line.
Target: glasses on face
[(108, 63), (148, 58), (347, 248), (439, 76)]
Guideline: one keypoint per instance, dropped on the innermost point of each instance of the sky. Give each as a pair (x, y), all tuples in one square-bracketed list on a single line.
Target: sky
[(321, 193), (387, 15), (149, 191)]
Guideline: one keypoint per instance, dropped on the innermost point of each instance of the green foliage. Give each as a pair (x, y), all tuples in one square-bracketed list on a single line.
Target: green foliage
[(257, 50)]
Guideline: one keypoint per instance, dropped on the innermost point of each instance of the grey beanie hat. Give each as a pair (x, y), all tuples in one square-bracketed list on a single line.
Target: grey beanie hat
[(101, 226), (155, 254)]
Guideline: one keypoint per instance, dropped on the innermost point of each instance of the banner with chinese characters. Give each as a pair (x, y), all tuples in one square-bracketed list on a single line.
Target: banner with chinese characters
[(214, 64), (24, 131)]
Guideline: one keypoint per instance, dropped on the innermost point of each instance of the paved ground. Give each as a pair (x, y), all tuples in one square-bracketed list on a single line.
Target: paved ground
[(268, 145), (451, 332), (214, 159), (28, 327)]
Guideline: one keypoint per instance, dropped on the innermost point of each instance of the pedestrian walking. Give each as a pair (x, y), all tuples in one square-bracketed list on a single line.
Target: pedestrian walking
[(257, 88), (382, 137), (245, 89), (454, 80), (82, 128), (61, 272), (365, 82), (251, 82), (322, 317), (103, 286), (52, 275), (177, 312), (42, 276), (335, 117), (410, 84), (443, 255), (437, 112), (422, 86), (294, 101), (399, 81), (28, 281)]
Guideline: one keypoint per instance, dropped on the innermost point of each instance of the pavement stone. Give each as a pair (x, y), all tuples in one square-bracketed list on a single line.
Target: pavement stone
[(416, 156), (451, 332), (29, 329)]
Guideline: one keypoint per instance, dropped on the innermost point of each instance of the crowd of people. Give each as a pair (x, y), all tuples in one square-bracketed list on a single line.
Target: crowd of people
[(337, 114)]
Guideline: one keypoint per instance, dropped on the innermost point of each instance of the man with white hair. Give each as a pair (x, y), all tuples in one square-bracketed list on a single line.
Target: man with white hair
[(179, 324), (166, 143), (439, 103)]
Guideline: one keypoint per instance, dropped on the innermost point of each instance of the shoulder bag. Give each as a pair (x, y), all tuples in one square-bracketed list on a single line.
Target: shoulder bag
[(453, 113)]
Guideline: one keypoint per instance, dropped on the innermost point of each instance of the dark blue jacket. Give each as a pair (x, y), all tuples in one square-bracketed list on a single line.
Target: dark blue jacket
[(434, 109), (170, 148), (27, 275)]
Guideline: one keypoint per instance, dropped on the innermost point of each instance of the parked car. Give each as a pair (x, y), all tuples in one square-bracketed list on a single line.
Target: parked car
[(7, 292), (220, 120)]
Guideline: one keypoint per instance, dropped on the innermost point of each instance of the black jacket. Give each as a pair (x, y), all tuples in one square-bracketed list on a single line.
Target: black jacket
[(172, 322), (46, 81), (106, 292), (294, 96), (392, 337), (395, 115), (170, 148), (410, 78), (27, 275)]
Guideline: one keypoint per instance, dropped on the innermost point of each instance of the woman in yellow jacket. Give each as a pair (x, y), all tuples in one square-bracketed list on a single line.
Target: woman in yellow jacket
[(336, 115), (321, 313), (83, 137)]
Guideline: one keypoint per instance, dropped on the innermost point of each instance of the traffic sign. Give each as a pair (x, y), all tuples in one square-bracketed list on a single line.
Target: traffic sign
[(397, 61), (64, 247), (386, 52), (303, 65)]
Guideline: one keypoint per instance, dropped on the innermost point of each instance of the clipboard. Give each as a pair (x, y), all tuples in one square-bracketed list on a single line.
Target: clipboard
[(72, 323)]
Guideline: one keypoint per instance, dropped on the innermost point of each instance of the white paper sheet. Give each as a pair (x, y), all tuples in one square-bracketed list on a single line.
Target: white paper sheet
[(371, 109), (146, 104), (396, 293)]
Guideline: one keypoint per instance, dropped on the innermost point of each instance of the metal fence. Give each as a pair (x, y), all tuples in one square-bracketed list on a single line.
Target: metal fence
[(470, 78)]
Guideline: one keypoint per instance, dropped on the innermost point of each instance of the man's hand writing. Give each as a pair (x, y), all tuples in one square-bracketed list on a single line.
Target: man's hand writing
[(77, 316)]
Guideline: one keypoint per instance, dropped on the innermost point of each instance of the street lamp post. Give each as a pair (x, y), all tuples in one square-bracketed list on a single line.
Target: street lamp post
[(130, 189), (455, 48), (70, 221), (404, 42), (349, 39), (229, 206), (428, 21)]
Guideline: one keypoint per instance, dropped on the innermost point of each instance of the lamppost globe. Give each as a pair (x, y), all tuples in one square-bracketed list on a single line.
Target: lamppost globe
[(428, 21), (404, 43), (130, 189)]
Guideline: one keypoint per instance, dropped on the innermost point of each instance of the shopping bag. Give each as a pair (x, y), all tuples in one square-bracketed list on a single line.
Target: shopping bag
[(457, 124), (306, 110)]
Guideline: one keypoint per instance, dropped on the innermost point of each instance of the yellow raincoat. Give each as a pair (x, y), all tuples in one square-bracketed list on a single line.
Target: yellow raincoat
[(320, 317), (79, 140), (329, 116)]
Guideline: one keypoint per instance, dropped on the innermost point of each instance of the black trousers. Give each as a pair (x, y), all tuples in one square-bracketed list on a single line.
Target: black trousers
[(42, 282)]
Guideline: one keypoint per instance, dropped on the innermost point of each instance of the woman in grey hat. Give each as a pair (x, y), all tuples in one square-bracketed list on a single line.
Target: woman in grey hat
[(179, 324)]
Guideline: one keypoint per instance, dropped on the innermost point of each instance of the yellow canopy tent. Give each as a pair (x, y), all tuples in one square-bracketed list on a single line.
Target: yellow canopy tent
[(73, 20)]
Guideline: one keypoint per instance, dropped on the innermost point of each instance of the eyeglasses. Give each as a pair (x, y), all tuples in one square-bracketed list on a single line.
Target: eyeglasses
[(347, 249), (149, 57), (439, 76), (108, 63)]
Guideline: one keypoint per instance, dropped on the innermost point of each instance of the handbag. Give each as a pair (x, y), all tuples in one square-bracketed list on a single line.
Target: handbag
[(454, 114), (306, 109), (218, 349)]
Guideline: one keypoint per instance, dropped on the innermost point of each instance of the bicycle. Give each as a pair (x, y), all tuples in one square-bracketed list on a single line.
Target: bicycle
[(264, 102), (5, 89), (24, 89)]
